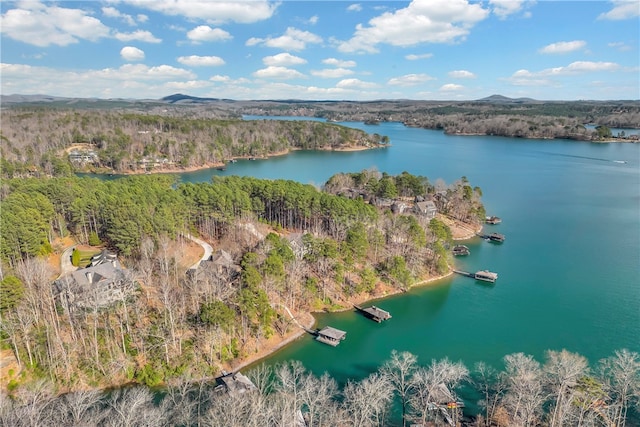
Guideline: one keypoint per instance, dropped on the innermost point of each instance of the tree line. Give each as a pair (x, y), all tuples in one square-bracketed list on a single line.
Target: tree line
[(562, 391), (292, 245), (38, 140)]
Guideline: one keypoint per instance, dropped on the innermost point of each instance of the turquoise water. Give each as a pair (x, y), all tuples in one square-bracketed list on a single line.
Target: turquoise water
[(569, 269)]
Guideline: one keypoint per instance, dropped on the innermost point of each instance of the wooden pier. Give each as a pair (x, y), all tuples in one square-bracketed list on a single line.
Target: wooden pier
[(374, 313)]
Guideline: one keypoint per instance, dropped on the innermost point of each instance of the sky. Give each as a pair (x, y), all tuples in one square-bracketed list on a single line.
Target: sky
[(322, 50)]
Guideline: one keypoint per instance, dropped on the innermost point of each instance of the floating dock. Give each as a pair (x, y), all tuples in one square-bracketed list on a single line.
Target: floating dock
[(460, 250), (493, 237), (374, 313), (329, 335), (493, 220), (482, 275)]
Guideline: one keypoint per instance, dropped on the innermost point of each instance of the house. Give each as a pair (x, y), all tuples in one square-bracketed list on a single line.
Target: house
[(220, 264), (427, 208), (297, 244), (77, 156), (101, 284), (234, 383)]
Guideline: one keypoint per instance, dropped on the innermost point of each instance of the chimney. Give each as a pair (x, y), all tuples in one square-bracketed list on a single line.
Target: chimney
[(89, 275)]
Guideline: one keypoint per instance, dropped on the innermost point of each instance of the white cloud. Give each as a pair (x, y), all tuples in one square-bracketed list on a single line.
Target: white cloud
[(356, 7), (292, 39), (622, 9), (141, 72), (451, 87), (313, 20), (545, 77), (563, 47), (273, 72), (131, 54), (112, 12), (621, 46), (503, 8), (283, 59), (414, 57), (201, 61), (214, 12), (226, 79), (190, 84), (332, 73), (423, 21), (409, 80), (339, 63), (355, 84), (139, 35), (205, 33), (142, 18), (41, 25), (461, 74), (129, 80)]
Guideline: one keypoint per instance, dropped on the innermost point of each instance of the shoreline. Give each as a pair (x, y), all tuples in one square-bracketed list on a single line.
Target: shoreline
[(311, 321), (223, 164)]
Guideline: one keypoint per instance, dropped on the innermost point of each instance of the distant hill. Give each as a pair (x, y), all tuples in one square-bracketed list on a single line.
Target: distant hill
[(500, 99), (182, 98)]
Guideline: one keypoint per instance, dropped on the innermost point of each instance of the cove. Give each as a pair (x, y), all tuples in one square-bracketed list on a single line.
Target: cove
[(569, 276), (569, 268)]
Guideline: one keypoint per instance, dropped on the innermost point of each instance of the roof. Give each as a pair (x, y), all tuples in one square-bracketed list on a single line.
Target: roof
[(222, 257), (378, 312), (103, 257), (426, 205), (102, 273), (236, 383), (332, 333)]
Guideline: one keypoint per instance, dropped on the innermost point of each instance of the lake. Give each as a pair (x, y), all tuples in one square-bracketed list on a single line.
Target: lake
[(569, 268)]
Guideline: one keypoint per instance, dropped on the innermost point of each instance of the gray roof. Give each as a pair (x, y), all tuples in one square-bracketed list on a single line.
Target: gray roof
[(332, 333), (101, 273)]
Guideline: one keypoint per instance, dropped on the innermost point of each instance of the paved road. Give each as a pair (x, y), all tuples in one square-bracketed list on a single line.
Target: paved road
[(208, 249)]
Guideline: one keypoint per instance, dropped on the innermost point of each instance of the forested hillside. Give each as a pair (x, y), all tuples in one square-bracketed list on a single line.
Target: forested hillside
[(288, 245), (40, 140)]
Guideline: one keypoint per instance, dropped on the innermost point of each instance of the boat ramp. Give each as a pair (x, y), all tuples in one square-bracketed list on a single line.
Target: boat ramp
[(374, 313)]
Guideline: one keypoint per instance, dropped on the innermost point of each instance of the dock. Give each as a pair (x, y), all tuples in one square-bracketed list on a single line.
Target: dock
[(482, 275), (374, 313), (460, 250), (329, 335), (493, 220), (493, 237)]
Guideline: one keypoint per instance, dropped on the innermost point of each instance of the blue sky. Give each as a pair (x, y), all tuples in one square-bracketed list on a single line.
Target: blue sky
[(317, 50)]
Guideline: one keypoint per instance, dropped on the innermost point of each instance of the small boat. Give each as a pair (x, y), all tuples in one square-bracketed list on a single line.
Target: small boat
[(460, 250), (493, 220), (486, 276), (221, 168), (232, 161)]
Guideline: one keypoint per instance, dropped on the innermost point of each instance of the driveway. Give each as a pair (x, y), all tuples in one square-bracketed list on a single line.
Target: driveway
[(208, 249)]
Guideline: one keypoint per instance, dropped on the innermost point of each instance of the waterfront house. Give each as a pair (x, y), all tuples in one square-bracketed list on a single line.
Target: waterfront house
[(101, 284), (426, 208), (234, 383)]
